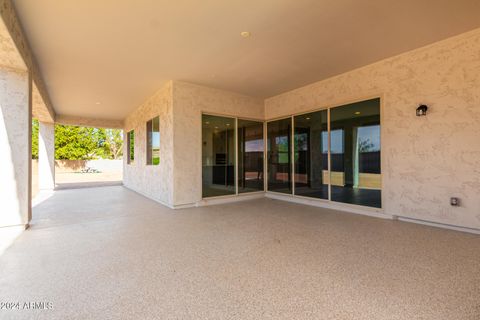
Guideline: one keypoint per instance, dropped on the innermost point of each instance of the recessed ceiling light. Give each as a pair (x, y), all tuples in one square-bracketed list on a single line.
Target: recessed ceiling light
[(307, 118), (97, 103), (245, 34), (358, 112)]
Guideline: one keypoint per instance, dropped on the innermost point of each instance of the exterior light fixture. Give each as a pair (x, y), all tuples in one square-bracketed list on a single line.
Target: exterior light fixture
[(422, 110), (307, 118), (454, 201), (357, 113), (245, 34)]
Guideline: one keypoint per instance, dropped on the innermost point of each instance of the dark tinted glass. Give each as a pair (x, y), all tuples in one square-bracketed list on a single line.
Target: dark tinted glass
[(218, 156), (279, 155), (250, 156), (311, 155), (355, 153)]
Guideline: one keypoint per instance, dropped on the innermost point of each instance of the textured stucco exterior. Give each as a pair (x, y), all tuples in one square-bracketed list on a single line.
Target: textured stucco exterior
[(15, 148), (189, 102), (46, 156), (425, 160), (152, 181)]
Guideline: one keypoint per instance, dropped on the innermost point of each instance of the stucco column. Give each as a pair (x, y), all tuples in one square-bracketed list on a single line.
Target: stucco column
[(46, 156), (15, 148)]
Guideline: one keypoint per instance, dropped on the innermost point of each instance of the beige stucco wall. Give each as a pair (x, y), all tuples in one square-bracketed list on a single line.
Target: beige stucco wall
[(425, 160), (152, 181), (189, 102), (15, 148)]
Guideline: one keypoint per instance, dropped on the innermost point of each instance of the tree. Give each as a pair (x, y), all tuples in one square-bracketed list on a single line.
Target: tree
[(82, 143), (34, 139), (365, 145), (79, 143), (114, 143)]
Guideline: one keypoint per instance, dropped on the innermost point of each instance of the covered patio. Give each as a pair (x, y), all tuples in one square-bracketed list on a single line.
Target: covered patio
[(281, 159), (119, 255)]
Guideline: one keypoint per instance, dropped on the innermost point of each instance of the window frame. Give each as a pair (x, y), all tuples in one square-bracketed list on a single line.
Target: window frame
[(150, 129), (131, 147)]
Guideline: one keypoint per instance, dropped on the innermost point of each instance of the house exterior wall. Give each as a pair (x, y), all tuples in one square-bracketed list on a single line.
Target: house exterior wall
[(425, 160), (189, 102), (152, 181)]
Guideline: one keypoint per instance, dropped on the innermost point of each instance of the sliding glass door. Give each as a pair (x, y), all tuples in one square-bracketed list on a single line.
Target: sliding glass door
[(218, 156), (250, 156), (231, 148), (311, 154), (337, 161), (355, 153), (332, 154), (279, 160)]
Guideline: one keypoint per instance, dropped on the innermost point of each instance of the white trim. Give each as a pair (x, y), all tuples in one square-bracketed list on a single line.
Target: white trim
[(322, 203), (438, 225), (230, 198)]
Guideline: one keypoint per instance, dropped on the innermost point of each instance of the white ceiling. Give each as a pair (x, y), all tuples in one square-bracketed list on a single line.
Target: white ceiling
[(118, 52)]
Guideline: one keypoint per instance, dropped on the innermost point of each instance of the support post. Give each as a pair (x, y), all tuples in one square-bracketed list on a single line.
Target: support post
[(46, 156), (15, 148)]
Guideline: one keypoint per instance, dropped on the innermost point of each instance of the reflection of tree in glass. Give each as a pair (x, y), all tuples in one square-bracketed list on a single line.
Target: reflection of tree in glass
[(301, 141), (365, 145)]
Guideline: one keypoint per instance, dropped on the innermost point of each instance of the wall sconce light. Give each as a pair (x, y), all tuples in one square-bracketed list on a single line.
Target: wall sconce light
[(422, 110), (454, 201)]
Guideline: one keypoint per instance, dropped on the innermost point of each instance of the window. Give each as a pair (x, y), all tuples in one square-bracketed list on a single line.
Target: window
[(153, 141), (131, 146)]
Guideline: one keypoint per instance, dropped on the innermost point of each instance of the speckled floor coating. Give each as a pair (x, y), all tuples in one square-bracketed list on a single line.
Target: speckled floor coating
[(109, 253)]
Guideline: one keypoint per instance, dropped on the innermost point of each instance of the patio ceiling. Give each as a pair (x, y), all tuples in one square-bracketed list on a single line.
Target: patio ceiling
[(101, 59)]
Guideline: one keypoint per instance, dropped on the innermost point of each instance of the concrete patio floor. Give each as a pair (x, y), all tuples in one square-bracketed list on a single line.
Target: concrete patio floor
[(109, 253)]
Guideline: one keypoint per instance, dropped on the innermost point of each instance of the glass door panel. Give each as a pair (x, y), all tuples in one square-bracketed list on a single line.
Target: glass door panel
[(218, 156), (279, 155), (311, 155), (355, 153), (250, 156)]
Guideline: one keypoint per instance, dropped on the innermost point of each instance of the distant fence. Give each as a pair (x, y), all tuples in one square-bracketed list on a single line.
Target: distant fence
[(103, 165)]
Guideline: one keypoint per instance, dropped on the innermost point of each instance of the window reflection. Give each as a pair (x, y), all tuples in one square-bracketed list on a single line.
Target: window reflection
[(355, 153), (279, 158), (218, 156), (311, 155), (250, 156), (153, 141)]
